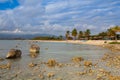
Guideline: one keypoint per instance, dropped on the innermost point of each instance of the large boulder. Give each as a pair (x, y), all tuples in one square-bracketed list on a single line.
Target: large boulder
[(34, 48), (14, 53)]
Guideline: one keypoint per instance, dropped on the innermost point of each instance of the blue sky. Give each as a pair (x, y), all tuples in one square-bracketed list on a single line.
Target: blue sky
[(58, 16)]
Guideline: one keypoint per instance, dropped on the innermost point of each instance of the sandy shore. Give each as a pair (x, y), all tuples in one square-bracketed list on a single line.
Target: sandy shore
[(90, 42), (103, 43)]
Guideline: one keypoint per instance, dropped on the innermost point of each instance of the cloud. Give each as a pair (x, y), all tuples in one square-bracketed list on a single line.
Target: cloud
[(58, 16), (14, 31)]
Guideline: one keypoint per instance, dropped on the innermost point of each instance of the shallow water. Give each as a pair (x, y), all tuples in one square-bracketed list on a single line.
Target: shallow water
[(62, 52)]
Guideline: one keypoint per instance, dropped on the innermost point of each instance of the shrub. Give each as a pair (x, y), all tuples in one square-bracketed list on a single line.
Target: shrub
[(114, 42)]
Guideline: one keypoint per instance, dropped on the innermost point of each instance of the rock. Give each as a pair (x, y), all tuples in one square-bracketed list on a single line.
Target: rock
[(34, 48), (1, 59), (41, 76), (99, 77), (113, 47), (60, 65), (51, 63), (8, 65), (114, 77), (87, 63), (14, 53), (5, 66), (33, 55), (105, 57), (80, 73), (58, 79), (32, 64), (50, 74), (77, 59)]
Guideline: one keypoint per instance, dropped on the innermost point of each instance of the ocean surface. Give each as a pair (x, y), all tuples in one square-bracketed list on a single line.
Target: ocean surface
[(61, 52)]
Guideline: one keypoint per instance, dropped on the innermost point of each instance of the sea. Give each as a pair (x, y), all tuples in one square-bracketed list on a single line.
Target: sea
[(62, 52)]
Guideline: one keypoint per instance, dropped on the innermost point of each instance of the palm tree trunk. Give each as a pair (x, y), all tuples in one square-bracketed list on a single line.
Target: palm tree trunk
[(115, 38)]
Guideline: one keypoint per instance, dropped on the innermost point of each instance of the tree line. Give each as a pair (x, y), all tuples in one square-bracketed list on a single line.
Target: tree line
[(111, 33), (48, 38)]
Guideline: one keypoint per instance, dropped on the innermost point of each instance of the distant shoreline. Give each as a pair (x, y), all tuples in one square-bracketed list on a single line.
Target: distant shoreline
[(102, 43), (90, 42)]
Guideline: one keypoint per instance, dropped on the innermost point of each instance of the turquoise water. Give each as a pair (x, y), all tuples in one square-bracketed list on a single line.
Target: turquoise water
[(62, 52)]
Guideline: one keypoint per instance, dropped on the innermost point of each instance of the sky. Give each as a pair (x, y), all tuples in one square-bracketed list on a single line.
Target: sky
[(57, 16)]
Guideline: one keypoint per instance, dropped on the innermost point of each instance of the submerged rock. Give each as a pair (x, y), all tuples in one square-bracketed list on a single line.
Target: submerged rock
[(77, 59), (14, 53), (1, 59), (41, 76), (34, 48), (87, 63), (58, 79), (5, 66), (114, 77), (32, 64), (33, 55), (51, 63), (50, 74)]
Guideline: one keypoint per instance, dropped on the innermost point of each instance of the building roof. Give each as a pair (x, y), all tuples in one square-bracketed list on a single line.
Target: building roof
[(117, 32)]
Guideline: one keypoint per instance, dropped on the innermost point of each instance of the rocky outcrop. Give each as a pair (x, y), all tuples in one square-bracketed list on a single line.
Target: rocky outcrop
[(1, 59), (87, 63), (77, 59), (34, 48), (5, 66), (14, 53), (51, 63), (112, 46)]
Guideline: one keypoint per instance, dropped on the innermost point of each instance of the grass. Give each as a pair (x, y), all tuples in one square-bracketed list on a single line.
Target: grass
[(114, 43)]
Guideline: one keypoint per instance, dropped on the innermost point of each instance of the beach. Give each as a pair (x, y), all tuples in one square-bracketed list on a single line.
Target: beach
[(91, 42), (60, 60)]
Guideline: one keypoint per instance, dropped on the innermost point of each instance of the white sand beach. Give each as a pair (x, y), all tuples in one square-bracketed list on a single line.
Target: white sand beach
[(90, 42)]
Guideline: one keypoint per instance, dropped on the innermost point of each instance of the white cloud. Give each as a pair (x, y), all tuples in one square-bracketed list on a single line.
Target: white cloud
[(58, 16), (65, 4), (14, 31), (17, 31)]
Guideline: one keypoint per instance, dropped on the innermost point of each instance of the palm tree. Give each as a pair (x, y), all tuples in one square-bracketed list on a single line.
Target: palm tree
[(80, 34), (67, 34), (87, 33), (60, 37), (102, 34), (116, 29), (110, 33), (74, 33)]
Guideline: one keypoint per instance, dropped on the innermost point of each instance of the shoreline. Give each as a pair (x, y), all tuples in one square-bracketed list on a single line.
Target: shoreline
[(90, 42), (102, 43)]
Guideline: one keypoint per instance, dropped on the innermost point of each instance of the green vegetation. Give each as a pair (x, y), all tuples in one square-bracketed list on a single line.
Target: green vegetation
[(109, 34), (114, 43), (67, 34), (74, 33), (48, 38), (87, 33), (80, 35)]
